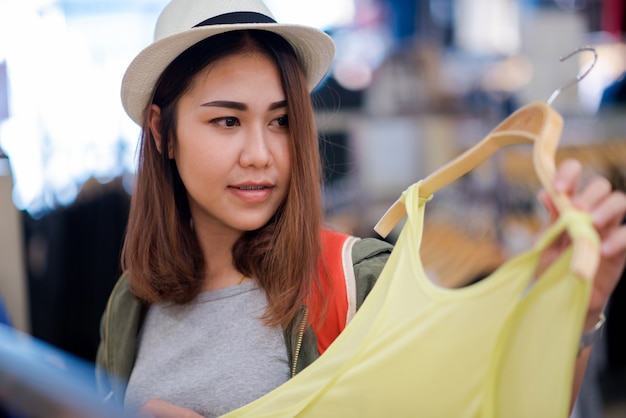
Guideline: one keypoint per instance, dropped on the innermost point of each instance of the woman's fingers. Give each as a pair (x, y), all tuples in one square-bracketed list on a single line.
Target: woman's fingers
[(156, 408), (593, 194), (614, 243), (607, 209), (567, 177)]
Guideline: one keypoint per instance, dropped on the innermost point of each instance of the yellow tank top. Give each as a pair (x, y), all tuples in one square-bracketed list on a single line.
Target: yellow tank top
[(503, 347)]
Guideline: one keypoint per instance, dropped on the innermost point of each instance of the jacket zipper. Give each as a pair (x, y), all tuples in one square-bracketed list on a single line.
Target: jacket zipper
[(299, 342)]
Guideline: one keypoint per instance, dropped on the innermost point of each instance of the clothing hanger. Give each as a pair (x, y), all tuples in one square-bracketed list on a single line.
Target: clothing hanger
[(537, 123)]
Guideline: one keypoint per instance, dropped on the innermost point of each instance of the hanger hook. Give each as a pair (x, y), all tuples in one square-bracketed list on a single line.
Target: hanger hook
[(580, 76)]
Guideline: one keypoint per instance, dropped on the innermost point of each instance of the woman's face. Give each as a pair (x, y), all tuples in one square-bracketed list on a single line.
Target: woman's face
[(232, 147)]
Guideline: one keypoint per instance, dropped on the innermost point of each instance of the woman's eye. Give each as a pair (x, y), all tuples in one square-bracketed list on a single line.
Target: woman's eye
[(282, 120), (228, 122)]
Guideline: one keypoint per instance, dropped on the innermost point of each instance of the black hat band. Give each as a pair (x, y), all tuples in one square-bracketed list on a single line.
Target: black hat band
[(236, 17)]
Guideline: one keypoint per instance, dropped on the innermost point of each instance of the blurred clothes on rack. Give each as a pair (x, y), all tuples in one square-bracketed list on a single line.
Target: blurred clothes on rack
[(4, 316), (615, 94), (73, 263)]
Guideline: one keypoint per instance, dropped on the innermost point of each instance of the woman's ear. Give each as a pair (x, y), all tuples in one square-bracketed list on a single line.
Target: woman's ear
[(155, 129)]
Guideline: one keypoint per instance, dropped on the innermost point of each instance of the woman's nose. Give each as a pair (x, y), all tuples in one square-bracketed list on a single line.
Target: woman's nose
[(255, 151)]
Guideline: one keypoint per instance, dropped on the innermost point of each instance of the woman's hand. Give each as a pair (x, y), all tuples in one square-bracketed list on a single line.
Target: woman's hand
[(607, 209), (156, 408)]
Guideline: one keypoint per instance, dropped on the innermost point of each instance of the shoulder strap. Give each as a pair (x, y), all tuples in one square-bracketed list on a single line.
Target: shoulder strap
[(338, 289)]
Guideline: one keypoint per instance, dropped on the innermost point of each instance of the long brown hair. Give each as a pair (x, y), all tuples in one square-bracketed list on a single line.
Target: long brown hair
[(162, 256)]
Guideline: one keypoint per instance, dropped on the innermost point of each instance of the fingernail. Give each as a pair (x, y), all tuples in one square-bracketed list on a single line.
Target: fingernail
[(560, 186), (597, 219)]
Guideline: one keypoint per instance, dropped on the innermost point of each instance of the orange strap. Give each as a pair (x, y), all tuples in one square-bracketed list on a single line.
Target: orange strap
[(328, 324)]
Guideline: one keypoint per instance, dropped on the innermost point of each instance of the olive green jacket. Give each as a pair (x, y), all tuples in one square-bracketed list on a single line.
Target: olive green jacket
[(122, 320)]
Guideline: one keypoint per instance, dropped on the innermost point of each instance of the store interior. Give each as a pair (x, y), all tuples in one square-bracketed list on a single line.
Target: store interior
[(415, 84)]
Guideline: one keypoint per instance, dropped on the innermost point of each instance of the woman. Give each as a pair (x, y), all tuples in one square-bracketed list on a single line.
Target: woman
[(224, 236), (227, 200)]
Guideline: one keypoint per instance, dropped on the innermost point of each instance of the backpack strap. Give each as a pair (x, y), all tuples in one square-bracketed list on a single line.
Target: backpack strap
[(338, 289)]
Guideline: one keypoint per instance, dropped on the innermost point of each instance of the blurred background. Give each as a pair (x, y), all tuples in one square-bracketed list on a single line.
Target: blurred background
[(415, 82)]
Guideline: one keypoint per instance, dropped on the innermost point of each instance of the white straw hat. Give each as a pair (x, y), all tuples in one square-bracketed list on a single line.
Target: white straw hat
[(183, 23)]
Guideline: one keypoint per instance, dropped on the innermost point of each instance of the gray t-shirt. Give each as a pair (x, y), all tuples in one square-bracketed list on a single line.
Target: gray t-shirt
[(212, 355)]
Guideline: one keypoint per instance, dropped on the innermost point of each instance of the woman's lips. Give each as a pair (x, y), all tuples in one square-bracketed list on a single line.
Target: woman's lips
[(252, 193)]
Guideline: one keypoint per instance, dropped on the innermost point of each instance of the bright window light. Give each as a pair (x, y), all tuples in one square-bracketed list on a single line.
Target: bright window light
[(66, 123), (64, 63)]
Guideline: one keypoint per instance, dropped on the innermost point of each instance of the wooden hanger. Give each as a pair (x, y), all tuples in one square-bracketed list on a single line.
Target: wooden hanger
[(536, 123)]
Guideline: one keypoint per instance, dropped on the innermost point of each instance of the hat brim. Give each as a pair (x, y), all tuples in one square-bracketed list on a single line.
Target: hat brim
[(315, 51)]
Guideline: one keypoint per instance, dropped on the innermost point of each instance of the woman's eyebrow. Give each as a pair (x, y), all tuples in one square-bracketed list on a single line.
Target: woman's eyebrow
[(225, 103), (241, 106), (278, 105)]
